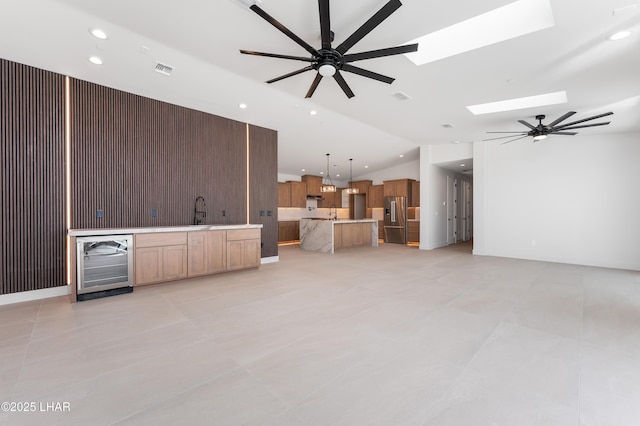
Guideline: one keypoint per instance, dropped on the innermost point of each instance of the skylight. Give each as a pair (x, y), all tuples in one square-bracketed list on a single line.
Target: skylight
[(520, 103), (504, 23)]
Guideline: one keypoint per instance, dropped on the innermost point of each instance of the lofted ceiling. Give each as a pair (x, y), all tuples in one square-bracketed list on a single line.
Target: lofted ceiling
[(201, 40)]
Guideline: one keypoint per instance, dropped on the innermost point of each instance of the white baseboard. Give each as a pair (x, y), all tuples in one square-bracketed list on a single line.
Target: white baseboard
[(27, 296), (272, 259)]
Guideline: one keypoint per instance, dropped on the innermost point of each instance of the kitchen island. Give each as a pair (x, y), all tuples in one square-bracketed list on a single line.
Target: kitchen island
[(327, 236)]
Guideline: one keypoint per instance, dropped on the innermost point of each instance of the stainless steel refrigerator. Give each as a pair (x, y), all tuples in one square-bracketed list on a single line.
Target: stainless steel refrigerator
[(395, 220)]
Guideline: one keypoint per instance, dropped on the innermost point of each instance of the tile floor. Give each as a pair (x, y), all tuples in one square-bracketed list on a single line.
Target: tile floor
[(376, 336)]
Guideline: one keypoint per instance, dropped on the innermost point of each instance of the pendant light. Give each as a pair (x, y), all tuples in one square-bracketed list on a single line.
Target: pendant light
[(351, 190), (327, 184)]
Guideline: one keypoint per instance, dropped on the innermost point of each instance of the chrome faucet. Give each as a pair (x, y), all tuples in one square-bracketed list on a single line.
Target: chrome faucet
[(202, 213), (335, 212)]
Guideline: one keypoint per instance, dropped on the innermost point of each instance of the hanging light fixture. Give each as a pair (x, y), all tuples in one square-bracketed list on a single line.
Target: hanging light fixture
[(327, 184), (351, 190)]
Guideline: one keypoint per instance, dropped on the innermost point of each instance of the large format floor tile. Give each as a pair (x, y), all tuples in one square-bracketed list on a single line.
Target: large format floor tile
[(378, 336)]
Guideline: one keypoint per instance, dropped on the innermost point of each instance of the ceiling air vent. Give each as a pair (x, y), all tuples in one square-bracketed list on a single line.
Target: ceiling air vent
[(163, 68), (401, 96)]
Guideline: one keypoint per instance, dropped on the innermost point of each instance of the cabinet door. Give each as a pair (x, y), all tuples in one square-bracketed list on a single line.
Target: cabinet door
[(197, 261), (235, 254), (298, 194), (365, 229), (251, 253), (174, 262), (216, 251), (415, 194), (284, 194), (337, 237), (148, 265)]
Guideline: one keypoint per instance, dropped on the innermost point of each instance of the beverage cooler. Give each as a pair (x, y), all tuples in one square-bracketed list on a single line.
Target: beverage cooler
[(105, 266)]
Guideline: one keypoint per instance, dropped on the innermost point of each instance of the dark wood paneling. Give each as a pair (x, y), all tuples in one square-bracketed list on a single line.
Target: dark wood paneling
[(133, 154), (263, 180), (32, 199)]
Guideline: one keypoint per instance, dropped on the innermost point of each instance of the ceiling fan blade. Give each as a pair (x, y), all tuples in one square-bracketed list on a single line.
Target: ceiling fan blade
[(532, 127), (516, 139), (519, 131), (504, 137), (381, 52), (583, 120), (314, 85), (366, 73), (584, 125), (561, 119), (291, 74), (368, 26), (264, 15), (563, 133), (325, 23), (343, 84), (276, 55)]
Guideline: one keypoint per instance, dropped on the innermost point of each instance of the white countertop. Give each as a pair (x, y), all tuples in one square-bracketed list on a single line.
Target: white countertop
[(150, 230)]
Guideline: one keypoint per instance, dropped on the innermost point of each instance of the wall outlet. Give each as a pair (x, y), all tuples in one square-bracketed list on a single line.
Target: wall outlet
[(99, 213), (224, 213), (154, 213)]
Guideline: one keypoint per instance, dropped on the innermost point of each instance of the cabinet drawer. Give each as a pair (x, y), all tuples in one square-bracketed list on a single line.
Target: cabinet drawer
[(161, 239), (242, 234)]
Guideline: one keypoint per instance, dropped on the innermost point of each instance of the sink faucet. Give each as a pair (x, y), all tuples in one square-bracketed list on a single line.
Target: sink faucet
[(202, 213), (333, 216)]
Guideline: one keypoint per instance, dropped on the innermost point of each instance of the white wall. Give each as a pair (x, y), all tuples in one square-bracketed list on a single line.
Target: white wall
[(565, 199), (409, 170)]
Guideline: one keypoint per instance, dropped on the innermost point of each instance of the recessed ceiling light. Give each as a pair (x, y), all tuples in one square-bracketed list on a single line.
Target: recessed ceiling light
[(337, 175), (366, 167), (242, 106), (456, 142), (95, 60), (304, 170), (520, 103), (401, 155), (321, 173), (620, 35), (504, 23), (313, 112), (98, 33), (462, 165)]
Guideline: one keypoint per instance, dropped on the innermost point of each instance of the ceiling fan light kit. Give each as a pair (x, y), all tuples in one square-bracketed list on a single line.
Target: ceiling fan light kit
[(329, 61), (541, 131)]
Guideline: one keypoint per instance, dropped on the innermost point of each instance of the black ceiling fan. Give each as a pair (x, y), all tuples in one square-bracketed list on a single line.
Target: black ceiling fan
[(541, 131), (329, 61)]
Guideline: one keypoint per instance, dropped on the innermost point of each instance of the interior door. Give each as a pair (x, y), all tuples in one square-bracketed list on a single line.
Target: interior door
[(450, 211)]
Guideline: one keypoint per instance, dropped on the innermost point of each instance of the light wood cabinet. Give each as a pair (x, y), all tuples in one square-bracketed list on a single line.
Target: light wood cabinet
[(415, 194), (298, 194), (375, 196), (284, 194), (362, 185), (288, 230), (160, 257), (243, 249), (398, 188), (413, 231), (313, 184), (207, 252), (348, 235), (331, 199)]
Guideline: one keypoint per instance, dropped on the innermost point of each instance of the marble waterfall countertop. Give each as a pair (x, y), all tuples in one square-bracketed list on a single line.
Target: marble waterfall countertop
[(154, 229), (318, 234)]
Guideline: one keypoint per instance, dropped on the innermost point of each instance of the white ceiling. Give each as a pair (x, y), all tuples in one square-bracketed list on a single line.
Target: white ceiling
[(201, 40)]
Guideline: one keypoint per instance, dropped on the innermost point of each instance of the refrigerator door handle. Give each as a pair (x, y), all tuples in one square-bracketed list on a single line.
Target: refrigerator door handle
[(393, 211)]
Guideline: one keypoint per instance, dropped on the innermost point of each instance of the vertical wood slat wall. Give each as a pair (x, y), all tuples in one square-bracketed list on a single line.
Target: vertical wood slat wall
[(32, 199), (263, 185), (133, 154)]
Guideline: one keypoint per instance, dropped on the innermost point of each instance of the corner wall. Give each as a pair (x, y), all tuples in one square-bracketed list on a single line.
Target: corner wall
[(570, 200)]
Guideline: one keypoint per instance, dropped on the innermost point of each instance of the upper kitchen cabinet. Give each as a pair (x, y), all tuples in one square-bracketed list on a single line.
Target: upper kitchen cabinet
[(331, 199), (284, 194), (375, 196), (398, 188), (314, 183), (415, 194), (362, 185), (263, 186)]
